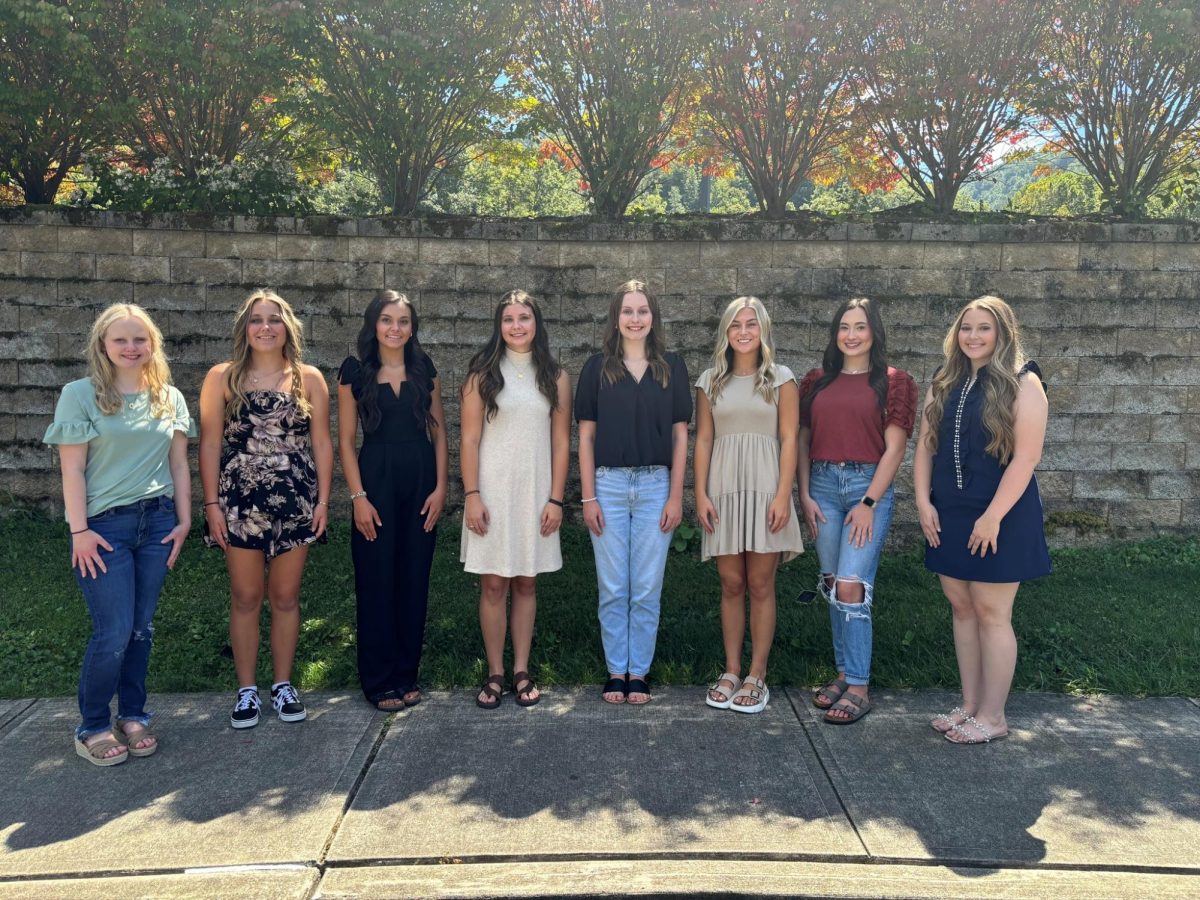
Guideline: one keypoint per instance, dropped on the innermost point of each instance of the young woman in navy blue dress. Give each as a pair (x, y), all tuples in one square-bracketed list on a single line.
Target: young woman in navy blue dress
[(981, 437)]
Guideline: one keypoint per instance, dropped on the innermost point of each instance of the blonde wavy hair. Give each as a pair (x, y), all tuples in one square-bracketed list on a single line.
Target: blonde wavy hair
[(239, 362), (156, 374), (722, 358), (999, 388)]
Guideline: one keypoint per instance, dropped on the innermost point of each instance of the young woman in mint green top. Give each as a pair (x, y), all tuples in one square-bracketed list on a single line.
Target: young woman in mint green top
[(122, 434)]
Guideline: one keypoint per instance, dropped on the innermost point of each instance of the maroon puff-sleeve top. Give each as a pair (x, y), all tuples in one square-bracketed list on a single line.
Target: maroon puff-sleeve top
[(845, 418)]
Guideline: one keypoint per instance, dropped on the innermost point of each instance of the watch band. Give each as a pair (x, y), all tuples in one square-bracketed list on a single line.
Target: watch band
[(868, 502)]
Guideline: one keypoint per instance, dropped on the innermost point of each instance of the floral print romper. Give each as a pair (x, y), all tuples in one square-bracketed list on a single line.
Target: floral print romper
[(268, 483)]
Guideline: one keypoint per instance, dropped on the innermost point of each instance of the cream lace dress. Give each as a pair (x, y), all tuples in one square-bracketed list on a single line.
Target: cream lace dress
[(743, 474), (514, 480)]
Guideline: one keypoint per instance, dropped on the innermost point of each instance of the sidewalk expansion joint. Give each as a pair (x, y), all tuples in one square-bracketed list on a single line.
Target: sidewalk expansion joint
[(353, 792), (805, 726), (717, 856), (16, 714), (150, 872)]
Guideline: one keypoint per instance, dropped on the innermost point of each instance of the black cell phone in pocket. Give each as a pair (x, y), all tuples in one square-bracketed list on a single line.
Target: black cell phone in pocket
[(806, 596)]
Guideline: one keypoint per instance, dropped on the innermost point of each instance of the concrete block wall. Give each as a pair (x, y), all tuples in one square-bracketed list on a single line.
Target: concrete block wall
[(1108, 310)]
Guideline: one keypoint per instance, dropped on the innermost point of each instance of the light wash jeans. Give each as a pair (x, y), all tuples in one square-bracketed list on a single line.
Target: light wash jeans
[(838, 488), (631, 555), (122, 603)]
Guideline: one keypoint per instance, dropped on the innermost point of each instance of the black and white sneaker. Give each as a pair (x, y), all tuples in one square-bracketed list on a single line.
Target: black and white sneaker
[(287, 703), (245, 711)]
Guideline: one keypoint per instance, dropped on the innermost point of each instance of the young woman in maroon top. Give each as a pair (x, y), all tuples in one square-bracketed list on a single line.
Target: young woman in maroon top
[(856, 415)]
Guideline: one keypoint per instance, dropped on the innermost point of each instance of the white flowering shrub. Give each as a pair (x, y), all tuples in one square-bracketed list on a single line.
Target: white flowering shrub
[(266, 188)]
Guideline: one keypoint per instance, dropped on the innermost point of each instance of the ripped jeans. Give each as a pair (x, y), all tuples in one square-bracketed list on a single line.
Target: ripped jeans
[(837, 488), (121, 602)]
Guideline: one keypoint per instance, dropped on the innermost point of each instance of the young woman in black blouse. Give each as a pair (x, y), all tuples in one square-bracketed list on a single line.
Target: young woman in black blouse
[(633, 405), (397, 484)]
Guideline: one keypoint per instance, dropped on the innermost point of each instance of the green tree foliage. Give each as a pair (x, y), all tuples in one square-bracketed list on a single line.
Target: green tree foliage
[(1120, 91), (510, 179), (1059, 194), (204, 75), (610, 78), (408, 85), (53, 100), (938, 85), (778, 88)]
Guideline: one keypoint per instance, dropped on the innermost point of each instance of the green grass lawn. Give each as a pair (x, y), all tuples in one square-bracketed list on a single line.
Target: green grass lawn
[(1121, 619)]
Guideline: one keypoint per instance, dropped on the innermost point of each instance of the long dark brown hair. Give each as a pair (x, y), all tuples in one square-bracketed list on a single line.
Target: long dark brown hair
[(614, 364), (418, 368), (485, 365), (834, 359)]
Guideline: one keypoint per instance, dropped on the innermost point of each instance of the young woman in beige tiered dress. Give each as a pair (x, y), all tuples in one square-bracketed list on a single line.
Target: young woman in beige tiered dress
[(747, 418), (516, 433)]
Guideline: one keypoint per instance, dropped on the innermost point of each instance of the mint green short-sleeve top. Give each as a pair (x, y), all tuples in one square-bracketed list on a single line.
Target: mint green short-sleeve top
[(128, 452)]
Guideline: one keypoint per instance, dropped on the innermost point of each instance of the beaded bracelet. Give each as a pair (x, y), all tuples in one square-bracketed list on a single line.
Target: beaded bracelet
[(588, 500)]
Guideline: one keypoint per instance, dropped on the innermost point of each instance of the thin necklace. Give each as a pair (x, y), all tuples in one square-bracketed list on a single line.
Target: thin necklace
[(254, 379), (856, 371)]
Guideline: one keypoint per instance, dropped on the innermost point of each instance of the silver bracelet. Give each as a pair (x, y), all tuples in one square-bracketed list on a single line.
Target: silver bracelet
[(356, 495)]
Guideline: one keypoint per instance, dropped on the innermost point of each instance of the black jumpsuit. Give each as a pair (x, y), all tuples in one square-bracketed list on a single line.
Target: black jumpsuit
[(391, 573)]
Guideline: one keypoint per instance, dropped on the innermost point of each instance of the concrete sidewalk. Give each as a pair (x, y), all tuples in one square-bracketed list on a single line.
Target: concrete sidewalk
[(1095, 797)]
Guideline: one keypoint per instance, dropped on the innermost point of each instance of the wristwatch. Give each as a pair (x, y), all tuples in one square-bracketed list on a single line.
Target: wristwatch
[(868, 502)]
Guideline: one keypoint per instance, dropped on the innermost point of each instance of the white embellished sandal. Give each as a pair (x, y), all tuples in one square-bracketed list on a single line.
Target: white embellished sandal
[(943, 723), (983, 736)]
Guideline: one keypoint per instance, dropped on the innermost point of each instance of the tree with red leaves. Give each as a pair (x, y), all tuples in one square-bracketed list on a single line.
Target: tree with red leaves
[(939, 84), (1120, 91), (778, 88)]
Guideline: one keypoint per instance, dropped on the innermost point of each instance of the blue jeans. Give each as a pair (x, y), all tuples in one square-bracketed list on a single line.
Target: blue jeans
[(631, 555), (838, 488), (122, 603)]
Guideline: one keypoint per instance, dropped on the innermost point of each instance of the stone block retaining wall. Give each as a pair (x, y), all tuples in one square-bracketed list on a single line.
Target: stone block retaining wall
[(1108, 310)]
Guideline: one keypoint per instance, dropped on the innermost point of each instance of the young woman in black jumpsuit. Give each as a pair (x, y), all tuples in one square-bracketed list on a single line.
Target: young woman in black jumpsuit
[(398, 488)]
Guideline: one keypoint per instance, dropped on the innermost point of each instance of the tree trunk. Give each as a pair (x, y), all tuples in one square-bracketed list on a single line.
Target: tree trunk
[(704, 201)]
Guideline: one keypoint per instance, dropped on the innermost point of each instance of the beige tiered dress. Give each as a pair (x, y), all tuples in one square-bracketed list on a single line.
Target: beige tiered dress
[(514, 480), (743, 473)]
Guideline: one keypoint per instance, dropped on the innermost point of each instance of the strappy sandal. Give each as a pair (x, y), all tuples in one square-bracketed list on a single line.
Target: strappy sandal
[(412, 696), (391, 698), (985, 735), (727, 694), (133, 737), (833, 690), (95, 753), (637, 686), (614, 686), (530, 686), (493, 689), (952, 718), (754, 689), (856, 708)]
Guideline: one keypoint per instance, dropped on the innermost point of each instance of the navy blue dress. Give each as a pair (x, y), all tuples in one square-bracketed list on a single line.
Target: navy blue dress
[(965, 479)]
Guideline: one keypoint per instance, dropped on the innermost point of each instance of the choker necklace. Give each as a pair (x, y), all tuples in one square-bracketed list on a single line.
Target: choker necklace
[(856, 371)]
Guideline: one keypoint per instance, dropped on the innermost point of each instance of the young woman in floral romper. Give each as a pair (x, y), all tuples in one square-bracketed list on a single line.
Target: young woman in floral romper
[(266, 463)]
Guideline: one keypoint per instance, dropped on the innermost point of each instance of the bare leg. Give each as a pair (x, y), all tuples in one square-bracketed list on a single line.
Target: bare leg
[(283, 590), (997, 651), (760, 575), (493, 622), (966, 645), (246, 591), (731, 569), (523, 615)]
